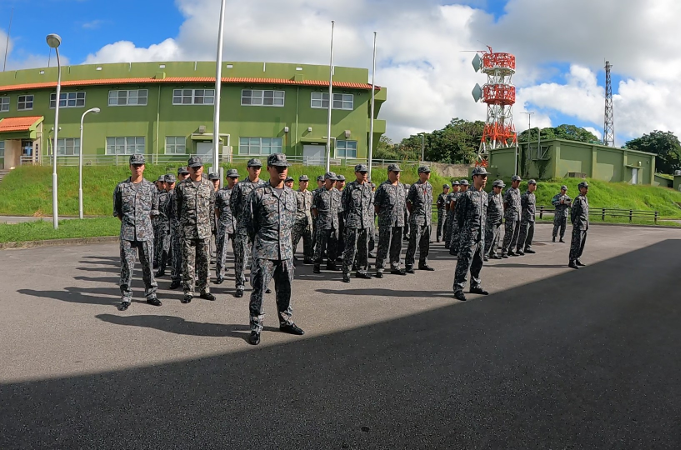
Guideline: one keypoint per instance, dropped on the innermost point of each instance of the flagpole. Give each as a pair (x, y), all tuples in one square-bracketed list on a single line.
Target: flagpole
[(373, 101), (328, 131), (218, 91)]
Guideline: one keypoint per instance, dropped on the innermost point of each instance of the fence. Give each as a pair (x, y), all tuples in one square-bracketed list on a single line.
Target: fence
[(609, 212)]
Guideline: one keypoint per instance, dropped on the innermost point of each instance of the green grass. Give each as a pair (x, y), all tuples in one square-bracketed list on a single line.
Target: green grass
[(43, 230), (596, 220)]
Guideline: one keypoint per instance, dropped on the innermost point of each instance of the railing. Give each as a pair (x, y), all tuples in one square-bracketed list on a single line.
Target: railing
[(608, 212)]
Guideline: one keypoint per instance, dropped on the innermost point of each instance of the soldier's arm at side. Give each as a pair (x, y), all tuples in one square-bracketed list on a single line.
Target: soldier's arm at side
[(178, 202), (117, 203), (378, 198), (250, 214), (461, 210), (234, 200), (154, 203), (411, 197)]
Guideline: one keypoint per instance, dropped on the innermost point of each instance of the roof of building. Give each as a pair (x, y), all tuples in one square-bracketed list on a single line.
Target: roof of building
[(13, 124)]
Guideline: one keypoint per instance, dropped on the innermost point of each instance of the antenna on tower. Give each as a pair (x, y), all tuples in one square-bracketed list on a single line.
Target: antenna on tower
[(609, 123)]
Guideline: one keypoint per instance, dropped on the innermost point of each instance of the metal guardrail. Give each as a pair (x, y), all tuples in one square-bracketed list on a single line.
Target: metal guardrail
[(608, 212)]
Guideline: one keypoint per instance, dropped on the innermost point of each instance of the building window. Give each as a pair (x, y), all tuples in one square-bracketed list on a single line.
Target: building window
[(346, 149), (128, 98), (250, 97), (259, 146), (176, 145), (68, 100), (193, 96), (4, 104), (68, 147), (340, 101), (25, 103), (2, 149), (124, 145)]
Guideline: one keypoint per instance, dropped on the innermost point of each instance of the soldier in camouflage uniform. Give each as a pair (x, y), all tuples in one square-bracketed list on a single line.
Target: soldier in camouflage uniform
[(195, 200), (162, 233), (289, 182), (156, 222), (340, 185), (512, 211), (226, 223), (303, 224), (325, 207), (239, 205), (320, 188), (441, 212), (175, 242), (390, 203), (357, 205), (454, 241), (528, 204), (405, 230), (449, 212), (579, 216), (495, 216), (472, 217), (372, 232), (270, 214), (562, 203), (420, 206), (134, 202)]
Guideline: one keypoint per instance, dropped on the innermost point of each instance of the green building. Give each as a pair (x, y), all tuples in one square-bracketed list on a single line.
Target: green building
[(559, 158), (165, 110)]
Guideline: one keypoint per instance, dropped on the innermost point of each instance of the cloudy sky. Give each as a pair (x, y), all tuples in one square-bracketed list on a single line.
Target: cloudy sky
[(424, 49)]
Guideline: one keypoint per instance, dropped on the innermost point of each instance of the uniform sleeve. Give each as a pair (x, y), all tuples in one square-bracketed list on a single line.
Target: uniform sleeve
[(507, 198), (234, 200), (250, 215), (555, 201), (178, 201), (154, 202), (378, 197), (117, 202), (411, 196), (461, 206), (524, 200), (574, 212), (345, 199)]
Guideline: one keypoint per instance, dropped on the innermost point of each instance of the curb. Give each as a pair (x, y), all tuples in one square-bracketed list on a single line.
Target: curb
[(58, 242)]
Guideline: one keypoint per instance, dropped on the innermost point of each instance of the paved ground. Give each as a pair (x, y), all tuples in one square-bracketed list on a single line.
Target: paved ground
[(553, 358)]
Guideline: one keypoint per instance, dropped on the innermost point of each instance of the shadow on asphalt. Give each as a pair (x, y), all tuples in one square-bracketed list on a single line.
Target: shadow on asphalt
[(584, 359)]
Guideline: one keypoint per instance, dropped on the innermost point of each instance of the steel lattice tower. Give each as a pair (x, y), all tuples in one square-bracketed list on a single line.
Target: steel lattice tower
[(609, 123)]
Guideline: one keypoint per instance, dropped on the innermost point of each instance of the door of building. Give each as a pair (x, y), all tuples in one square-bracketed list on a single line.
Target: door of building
[(313, 155), (634, 176), (204, 150)]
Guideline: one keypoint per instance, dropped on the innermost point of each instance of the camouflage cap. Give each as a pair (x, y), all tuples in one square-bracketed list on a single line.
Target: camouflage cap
[(289, 180), (563, 188), (583, 184), (255, 162), (455, 183), (182, 171), (161, 179), (464, 183), (277, 160), (498, 183), (480, 171), (445, 186), (361, 168), (320, 178), (532, 182), (213, 176), (232, 173), (303, 178), (136, 160), (330, 176), (170, 178), (394, 168), (195, 161), (516, 178), (424, 169), (340, 177)]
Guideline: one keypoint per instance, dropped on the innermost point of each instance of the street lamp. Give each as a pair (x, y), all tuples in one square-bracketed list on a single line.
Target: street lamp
[(423, 146), (54, 41), (80, 161)]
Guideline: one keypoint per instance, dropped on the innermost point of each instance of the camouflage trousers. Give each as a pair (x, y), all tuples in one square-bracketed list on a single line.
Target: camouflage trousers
[(511, 231), (372, 237), (195, 260), (525, 235), (455, 238), (406, 228), (470, 259), (301, 229), (158, 244), (242, 251), (176, 255), (559, 223), (441, 223), (326, 240), (356, 243), (492, 235), (389, 241), (264, 271), (221, 251), (340, 242), (144, 250), (449, 223), (420, 235), (577, 244), (163, 246)]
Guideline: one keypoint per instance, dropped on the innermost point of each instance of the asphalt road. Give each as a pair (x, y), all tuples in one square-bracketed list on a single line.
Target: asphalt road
[(552, 359)]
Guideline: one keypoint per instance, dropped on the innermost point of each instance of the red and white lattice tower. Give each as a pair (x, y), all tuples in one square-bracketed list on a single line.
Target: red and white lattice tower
[(499, 95)]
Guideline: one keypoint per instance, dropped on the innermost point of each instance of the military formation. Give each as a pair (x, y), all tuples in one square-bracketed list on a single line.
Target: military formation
[(186, 222)]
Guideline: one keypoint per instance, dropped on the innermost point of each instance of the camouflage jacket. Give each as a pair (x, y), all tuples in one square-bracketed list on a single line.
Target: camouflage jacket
[(303, 206), (512, 204), (239, 202), (226, 220), (357, 202), (327, 204), (135, 203), (472, 214), (162, 219), (495, 209), (441, 199), (196, 208), (528, 202), (391, 202), (452, 197), (580, 213), (270, 223), (561, 208), (172, 211), (421, 198)]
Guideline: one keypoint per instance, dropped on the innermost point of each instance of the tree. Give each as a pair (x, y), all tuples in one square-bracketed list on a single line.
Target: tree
[(569, 132), (665, 145)]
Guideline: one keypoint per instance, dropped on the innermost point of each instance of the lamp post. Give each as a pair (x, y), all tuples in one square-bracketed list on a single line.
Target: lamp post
[(218, 93), (80, 161), (423, 146), (529, 127), (54, 41)]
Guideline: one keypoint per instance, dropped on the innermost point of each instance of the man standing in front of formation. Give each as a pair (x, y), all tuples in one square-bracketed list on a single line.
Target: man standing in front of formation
[(134, 202), (226, 223), (528, 204), (512, 217), (495, 215), (471, 214), (357, 204), (420, 205), (562, 204), (195, 199), (454, 242), (175, 233), (325, 207), (580, 224), (449, 222), (271, 212), (441, 217), (390, 203)]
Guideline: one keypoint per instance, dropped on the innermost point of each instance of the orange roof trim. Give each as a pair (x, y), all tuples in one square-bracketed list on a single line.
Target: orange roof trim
[(114, 81), (11, 124)]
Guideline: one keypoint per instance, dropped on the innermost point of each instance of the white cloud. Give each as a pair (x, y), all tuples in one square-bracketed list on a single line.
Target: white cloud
[(125, 51)]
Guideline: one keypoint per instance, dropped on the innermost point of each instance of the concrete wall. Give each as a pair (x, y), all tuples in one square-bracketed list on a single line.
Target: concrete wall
[(451, 170)]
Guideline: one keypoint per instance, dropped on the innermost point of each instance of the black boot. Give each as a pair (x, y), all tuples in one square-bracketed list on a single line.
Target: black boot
[(459, 295)]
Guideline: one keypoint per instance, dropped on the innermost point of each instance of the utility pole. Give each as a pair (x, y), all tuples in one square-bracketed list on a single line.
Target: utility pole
[(609, 122)]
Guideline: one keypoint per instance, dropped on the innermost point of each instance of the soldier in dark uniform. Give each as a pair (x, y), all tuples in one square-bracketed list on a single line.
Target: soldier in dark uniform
[(270, 215), (372, 232), (162, 233), (155, 222), (134, 202), (528, 205), (562, 203), (289, 182), (195, 199), (454, 241), (325, 207), (320, 188), (579, 216), (512, 211), (340, 185), (420, 205), (303, 224), (441, 212), (449, 212), (226, 223), (472, 216), (390, 203), (405, 230), (175, 242), (495, 215), (357, 205)]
